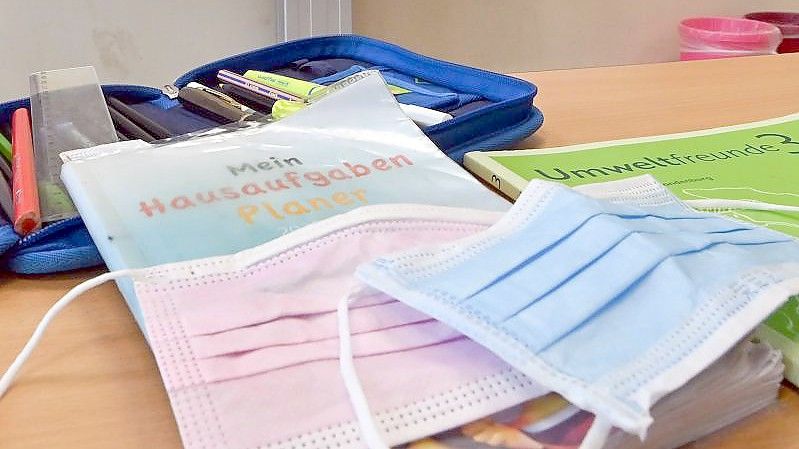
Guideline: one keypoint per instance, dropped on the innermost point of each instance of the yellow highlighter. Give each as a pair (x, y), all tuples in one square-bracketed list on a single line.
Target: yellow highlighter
[(297, 87), (284, 108), (293, 86)]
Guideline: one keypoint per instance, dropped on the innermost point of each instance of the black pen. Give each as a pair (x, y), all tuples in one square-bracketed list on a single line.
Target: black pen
[(258, 102), (127, 127), (142, 121)]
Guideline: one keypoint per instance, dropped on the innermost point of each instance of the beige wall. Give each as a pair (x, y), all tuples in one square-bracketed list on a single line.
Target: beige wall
[(520, 35), (147, 42)]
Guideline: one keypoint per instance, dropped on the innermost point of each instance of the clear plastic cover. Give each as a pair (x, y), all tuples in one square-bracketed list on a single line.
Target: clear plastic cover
[(223, 192)]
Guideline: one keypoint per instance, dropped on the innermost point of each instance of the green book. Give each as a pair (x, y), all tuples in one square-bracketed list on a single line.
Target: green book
[(756, 161)]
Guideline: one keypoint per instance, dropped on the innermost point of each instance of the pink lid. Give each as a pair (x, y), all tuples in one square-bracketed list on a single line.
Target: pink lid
[(730, 33), (787, 22)]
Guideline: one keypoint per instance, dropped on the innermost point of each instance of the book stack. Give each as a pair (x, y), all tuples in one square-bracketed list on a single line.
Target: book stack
[(742, 382)]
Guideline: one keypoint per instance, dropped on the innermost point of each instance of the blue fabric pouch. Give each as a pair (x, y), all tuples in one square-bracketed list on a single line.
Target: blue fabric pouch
[(8, 237), (490, 111)]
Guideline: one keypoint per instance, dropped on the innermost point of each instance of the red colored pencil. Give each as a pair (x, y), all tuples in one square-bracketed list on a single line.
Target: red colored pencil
[(27, 217)]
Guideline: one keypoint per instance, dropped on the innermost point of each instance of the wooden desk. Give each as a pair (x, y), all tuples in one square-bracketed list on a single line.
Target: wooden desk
[(93, 383)]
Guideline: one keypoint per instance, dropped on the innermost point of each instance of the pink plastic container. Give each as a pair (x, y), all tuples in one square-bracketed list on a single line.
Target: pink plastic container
[(726, 37), (787, 22)]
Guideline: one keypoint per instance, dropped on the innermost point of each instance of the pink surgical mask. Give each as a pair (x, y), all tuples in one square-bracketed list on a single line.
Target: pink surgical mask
[(248, 345)]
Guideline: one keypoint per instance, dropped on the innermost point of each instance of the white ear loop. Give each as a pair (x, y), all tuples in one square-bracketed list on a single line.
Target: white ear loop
[(83, 287), (369, 430), (597, 435), (721, 204)]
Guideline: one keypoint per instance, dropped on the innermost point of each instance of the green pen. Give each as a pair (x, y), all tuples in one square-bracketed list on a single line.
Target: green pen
[(5, 147)]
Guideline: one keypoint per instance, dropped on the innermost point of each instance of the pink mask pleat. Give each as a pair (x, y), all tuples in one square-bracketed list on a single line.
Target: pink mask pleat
[(387, 341), (293, 330), (204, 314)]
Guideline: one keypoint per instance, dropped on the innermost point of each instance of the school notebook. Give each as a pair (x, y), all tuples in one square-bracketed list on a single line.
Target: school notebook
[(221, 193), (756, 162)]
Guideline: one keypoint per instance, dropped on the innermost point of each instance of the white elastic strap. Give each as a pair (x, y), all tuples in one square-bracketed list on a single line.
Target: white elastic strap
[(597, 435), (721, 204), (369, 431), (11, 372)]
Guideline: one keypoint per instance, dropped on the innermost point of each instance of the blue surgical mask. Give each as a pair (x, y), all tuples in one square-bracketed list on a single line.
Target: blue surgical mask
[(611, 302)]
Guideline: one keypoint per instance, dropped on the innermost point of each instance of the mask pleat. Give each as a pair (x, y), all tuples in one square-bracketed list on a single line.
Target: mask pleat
[(672, 294), (511, 251), (224, 303), (519, 248), (235, 304), (305, 329), (529, 282), (386, 341), (610, 277)]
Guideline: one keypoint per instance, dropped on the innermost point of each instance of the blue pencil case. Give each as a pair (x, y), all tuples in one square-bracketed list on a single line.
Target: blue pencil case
[(489, 110)]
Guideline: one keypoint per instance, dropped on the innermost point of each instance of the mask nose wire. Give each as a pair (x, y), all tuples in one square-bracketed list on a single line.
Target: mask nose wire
[(55, 309), (722, 204), (369, 430)]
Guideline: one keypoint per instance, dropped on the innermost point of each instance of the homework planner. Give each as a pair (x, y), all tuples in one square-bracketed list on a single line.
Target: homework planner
[(146, 205)]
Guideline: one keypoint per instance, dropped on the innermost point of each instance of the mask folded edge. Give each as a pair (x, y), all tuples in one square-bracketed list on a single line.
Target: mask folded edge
[(366, 214)]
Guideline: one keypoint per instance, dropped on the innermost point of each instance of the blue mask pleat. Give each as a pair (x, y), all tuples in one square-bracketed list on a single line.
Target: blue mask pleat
[(593, 288), (654, 306), (580, 249), (515, 250), (518, 248)]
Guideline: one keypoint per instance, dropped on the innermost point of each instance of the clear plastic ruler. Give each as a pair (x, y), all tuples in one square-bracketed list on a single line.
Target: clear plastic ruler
[(68, 112)]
